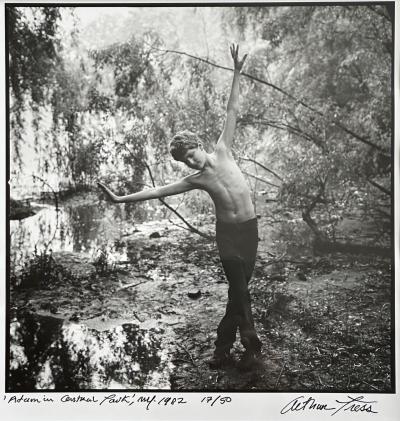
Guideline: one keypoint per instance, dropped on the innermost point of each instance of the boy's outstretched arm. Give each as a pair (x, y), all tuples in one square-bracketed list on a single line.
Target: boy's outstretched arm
[(180, 186), (232, 108)]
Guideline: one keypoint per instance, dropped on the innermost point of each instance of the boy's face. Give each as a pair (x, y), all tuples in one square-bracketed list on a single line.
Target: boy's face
[(195, 158)]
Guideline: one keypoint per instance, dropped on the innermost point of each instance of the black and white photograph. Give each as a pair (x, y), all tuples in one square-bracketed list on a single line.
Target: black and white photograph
[(200, 198)]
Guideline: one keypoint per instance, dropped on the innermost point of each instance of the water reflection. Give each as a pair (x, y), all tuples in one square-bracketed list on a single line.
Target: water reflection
[(48, 353), (85, 228), (72, 229)]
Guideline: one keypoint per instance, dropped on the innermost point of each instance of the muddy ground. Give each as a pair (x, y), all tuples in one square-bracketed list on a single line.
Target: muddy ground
[(324, 320)]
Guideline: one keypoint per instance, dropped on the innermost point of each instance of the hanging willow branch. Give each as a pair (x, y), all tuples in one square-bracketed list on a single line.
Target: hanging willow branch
[(45, 183)]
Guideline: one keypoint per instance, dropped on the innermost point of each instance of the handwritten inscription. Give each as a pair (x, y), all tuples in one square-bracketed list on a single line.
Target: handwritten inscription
[(351, 404), (110, 399), (212, 400)]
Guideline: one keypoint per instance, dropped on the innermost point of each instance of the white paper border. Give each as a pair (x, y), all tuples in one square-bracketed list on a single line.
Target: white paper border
[(244, 406)]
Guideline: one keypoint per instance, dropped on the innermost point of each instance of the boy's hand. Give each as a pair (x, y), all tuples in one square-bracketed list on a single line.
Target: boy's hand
[(108, 192), (238, 64)]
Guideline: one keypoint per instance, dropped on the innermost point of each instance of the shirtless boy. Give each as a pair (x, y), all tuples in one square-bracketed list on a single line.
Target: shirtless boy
[(236, 228)]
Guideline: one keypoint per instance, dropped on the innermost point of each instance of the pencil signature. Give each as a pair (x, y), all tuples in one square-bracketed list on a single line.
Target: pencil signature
[(352, 404)]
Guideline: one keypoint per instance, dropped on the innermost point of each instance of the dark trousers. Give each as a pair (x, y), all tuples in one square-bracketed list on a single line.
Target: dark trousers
[(237, 246)]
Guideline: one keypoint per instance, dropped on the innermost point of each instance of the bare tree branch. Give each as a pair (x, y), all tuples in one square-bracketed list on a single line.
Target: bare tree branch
[(291, 129), (379, 187), (133, 284), (384, 213), (382, 12), (262, 166), (260, 179), (338, 124), (190, 226)]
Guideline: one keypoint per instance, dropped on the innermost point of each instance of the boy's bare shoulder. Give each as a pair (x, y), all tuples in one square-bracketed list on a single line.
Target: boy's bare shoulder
[(195, 179)]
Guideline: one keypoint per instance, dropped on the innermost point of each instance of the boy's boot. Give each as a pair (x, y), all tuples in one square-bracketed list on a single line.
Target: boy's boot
[(250, 360), (221, 359)]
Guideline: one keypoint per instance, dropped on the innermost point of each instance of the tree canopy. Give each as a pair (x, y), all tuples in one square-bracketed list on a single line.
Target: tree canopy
[(316, 118)]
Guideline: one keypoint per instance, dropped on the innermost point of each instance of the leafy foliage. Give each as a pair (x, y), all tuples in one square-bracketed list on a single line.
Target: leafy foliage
[(326, 128), (33, 54), (337, 60), (32, 50)]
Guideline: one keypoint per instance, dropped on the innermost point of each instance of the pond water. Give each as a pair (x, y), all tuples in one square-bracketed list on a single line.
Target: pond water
[(79, 226), (52, 354), (49, 352)]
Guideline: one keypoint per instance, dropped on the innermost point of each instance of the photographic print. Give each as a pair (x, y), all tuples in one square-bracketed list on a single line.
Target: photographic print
[(200, 198)]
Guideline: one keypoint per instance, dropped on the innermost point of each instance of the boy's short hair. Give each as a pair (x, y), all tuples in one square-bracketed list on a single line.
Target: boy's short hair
[(182, 142)]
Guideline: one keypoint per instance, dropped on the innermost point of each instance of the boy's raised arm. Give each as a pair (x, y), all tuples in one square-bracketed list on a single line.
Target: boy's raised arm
[(180, 186), (232, 108)]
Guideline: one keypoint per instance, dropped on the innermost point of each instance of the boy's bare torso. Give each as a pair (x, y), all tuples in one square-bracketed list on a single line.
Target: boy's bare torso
[(223, 180), (217, 173)]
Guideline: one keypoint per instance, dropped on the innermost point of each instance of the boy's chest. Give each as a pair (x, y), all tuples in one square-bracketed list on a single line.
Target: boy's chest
[(224, 174)]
